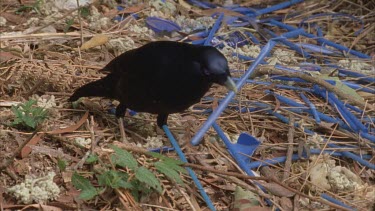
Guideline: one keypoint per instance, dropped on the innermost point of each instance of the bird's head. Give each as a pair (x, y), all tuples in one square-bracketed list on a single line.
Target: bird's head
[(215, 67)]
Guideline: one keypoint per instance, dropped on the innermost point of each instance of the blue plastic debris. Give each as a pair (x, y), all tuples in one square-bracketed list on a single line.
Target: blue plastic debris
[(334, 15), (191, 172), (322, 40), (245, 146), (159, 25)]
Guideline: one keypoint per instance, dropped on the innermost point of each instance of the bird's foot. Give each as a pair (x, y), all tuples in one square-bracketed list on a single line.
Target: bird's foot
[(162, 120), (120, 110)]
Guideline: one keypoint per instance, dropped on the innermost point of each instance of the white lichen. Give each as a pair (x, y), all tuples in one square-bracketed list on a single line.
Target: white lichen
[(188, 25), (3, 21), (319, 172), (46, 101), (342, 179), (121, 45), (162, 9), (357, 66), (154, 142), (83, 142), (39, 190), (282, 57), (96, 20)]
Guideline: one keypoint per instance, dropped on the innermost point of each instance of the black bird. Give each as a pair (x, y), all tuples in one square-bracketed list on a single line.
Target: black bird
[(161, 78)]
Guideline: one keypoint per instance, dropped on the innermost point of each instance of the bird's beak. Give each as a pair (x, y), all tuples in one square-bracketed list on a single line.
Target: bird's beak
[(229, 83)]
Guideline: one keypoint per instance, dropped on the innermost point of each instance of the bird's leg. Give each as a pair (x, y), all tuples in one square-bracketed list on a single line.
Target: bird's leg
[(162, 120), (120, 110), (120, 113)]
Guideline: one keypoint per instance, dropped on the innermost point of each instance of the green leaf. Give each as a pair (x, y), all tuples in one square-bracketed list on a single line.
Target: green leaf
[(87, 189), (172, 163), (169, 172), (61, 164), (343, 87), (85, 12), (92, 159), (28, 115), (176, 165), (146, 176), (114, 179), (124, 158), (88, 194), (29, 122)]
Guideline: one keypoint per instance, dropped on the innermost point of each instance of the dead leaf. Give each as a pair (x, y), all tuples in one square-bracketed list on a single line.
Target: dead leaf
[(278, 190), (245, 200), (286, 203), (26, 149), (71, 128), (133, 9), (97, 40), (6, 56), (13, 18)]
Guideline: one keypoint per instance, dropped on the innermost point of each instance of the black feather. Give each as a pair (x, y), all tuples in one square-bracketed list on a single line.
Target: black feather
[(160, 77)]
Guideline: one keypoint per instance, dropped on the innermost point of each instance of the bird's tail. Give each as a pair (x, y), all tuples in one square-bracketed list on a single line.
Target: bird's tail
[(101, 88)]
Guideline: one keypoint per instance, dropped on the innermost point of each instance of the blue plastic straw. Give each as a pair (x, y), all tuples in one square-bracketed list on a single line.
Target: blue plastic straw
[(216, 113), (335, 201), (191, 172), (321, 40), (312, 107), (291, 45), (277, 7), (346, 154), (282, 159), (214, 29), (335, 15)]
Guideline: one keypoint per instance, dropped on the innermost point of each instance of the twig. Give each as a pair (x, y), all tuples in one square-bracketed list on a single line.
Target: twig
[(289, 153), (92, 133), (80, 21), (320, 82), (122, 131)]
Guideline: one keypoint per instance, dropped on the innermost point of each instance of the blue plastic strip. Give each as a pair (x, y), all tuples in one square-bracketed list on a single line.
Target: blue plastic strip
[(316, 48), (312, 107), (351, 85), (282, 159), (343, 113), (335, 15), (346, 154), (335, 201), (237, 156), (353, 119), (161, 149), (216, 113), (252, 37), (229, 145), (321, 40), (280, 86), (361, 77), (277, 7), (191, 172), (291, 45), (214, 29)]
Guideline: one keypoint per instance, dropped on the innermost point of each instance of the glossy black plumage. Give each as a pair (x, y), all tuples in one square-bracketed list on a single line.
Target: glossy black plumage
[(160, 77)]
